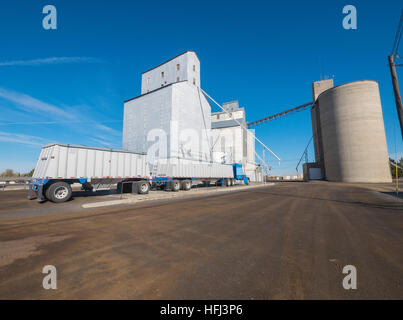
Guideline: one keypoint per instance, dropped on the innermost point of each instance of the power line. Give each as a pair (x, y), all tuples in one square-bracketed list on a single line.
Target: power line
[(398, 36)]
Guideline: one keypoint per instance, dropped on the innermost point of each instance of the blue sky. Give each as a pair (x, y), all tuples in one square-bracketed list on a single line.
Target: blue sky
[(68, 85)]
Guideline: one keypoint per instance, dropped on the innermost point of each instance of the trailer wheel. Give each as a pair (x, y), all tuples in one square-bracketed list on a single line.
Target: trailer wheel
[(175, 185), (143, 187), (58, 192), (186, 185)]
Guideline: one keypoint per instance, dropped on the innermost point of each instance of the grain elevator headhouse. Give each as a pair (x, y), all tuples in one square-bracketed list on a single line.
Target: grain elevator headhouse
[(184, 67)]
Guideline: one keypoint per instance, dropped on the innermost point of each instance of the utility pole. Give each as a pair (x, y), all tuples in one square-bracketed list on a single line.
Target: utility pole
[(396, 89), (397, 180), (395, 54)]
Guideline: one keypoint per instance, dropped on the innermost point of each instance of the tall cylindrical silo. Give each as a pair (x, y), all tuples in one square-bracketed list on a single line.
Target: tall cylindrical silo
[(353, 133)]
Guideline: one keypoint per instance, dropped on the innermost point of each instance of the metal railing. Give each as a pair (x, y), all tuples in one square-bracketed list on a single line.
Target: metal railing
[(14, 182)]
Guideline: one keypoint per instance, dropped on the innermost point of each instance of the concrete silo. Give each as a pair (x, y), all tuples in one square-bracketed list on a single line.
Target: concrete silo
[(352, 133)]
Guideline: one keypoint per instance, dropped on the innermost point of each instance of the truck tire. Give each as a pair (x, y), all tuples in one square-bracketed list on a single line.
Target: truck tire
[(247, 181), (58, 192), (232, 182), (175, 185), (227, 182), (143, 187), (186, 185)]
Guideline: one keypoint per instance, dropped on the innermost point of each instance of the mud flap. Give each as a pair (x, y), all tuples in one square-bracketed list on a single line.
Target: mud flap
[(31, 192), (39, 193), (135, 187)]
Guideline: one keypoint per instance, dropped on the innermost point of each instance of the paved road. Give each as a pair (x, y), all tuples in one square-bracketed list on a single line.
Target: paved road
[(288, 241)]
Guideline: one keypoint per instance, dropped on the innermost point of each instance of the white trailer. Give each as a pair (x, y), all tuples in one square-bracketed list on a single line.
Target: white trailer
[(176, 173), (60, 165), (184, 168)]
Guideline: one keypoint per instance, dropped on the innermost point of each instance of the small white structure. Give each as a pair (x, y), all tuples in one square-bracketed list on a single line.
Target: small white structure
[(171, 118), (183, 67), (230, 141)]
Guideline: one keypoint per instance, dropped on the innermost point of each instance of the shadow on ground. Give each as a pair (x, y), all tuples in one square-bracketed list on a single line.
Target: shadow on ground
[(399, 195)]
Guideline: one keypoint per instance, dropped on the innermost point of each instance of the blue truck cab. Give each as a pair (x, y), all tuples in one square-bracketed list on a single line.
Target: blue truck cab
[(238, 175)]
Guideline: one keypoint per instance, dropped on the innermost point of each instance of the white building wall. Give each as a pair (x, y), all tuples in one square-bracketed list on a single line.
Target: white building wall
[(189, 70), (251, 146), (254, 172), (231, 138), (229, 141), (191, 111), (143, 114), (173, 121)]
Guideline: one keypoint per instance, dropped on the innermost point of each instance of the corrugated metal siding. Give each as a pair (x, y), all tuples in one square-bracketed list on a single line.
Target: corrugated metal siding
[(180, 168), (179, 114), (230, 141), (66, 162), (251, 146)]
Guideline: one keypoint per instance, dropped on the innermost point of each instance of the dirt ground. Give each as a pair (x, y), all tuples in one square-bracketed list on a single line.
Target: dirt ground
[(283, 241)]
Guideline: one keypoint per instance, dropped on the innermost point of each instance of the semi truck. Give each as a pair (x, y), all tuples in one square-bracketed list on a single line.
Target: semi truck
[(61, 165)]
